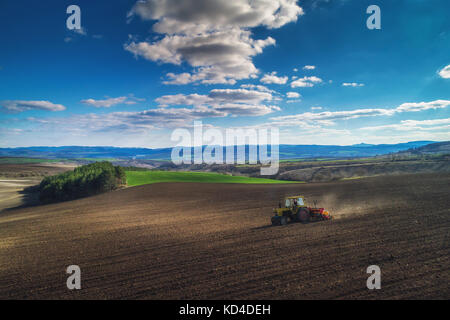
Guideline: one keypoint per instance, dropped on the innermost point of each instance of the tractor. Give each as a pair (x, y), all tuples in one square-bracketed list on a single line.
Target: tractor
[(296, 210)]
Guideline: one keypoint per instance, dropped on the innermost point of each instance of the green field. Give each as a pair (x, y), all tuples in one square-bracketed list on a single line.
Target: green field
[(137, 178)]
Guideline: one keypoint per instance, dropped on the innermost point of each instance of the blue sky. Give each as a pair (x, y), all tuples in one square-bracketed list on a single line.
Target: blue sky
[(137, 71)]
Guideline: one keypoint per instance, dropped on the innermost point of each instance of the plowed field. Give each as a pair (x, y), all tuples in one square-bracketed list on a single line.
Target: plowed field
[(214, 241)]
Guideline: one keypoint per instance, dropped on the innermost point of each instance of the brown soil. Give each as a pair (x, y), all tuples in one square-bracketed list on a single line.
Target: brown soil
[(211, 241), (37, 170), (16, 180)]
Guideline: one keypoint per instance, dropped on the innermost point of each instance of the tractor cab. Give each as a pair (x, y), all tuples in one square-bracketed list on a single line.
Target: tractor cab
[(296, 210), (297, 201)]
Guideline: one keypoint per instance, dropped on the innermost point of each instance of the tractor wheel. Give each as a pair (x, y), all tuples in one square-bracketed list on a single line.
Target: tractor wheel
[(304, 216), (297, 215), (276, 221), (283, 221)]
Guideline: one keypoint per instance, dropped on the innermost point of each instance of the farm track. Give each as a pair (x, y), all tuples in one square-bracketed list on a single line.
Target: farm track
[(213, 241)]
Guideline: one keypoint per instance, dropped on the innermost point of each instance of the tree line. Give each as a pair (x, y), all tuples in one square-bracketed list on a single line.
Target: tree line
[(84, 181)]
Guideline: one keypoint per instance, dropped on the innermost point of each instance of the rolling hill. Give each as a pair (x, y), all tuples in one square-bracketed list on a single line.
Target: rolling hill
[(433, 148), (286, 151), (215, 241)]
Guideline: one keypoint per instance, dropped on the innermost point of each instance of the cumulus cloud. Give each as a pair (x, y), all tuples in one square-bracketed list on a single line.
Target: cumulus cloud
[(257, 87), (181, 78), (212, 36), (445, 72), (197, 16), (230, 101), (219, 57), (104, 103), (182, 99), (216, 96), (352, 84), (107, 103), (307, 67), (240, 95), (305, 82), (22, 105), (272, 78)]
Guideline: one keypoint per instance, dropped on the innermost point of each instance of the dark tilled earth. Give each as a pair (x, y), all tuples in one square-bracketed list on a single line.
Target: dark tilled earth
[(214, 241)]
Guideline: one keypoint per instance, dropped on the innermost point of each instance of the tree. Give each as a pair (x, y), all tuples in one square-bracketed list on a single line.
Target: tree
[(84, 181)]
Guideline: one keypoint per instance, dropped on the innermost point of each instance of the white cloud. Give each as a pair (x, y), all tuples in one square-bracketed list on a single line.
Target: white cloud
[(107, 103), (198, 16), (257, 87), (240, 109), (230, 101), (414, 125), (420, 106), (352, 84), (426, 122), (219, 57), (309, 67), (181, 99), (272, 78), (210, 35), (171, 117), (181, 78), (145, 121), (305, 82), (239, 95), (445, 72), (330, 117), (293, 95), (129, 121), (295, 70), (316, 108), (215, 97), (320, 126), (22, 105)]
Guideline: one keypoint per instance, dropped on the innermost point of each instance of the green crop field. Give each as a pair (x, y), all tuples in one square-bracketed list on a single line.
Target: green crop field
[(137, 178)]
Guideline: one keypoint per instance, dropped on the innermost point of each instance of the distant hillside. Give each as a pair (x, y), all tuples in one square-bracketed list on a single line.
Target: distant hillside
[(439, 147), (358, 150), (80, 152), (286, 151)]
